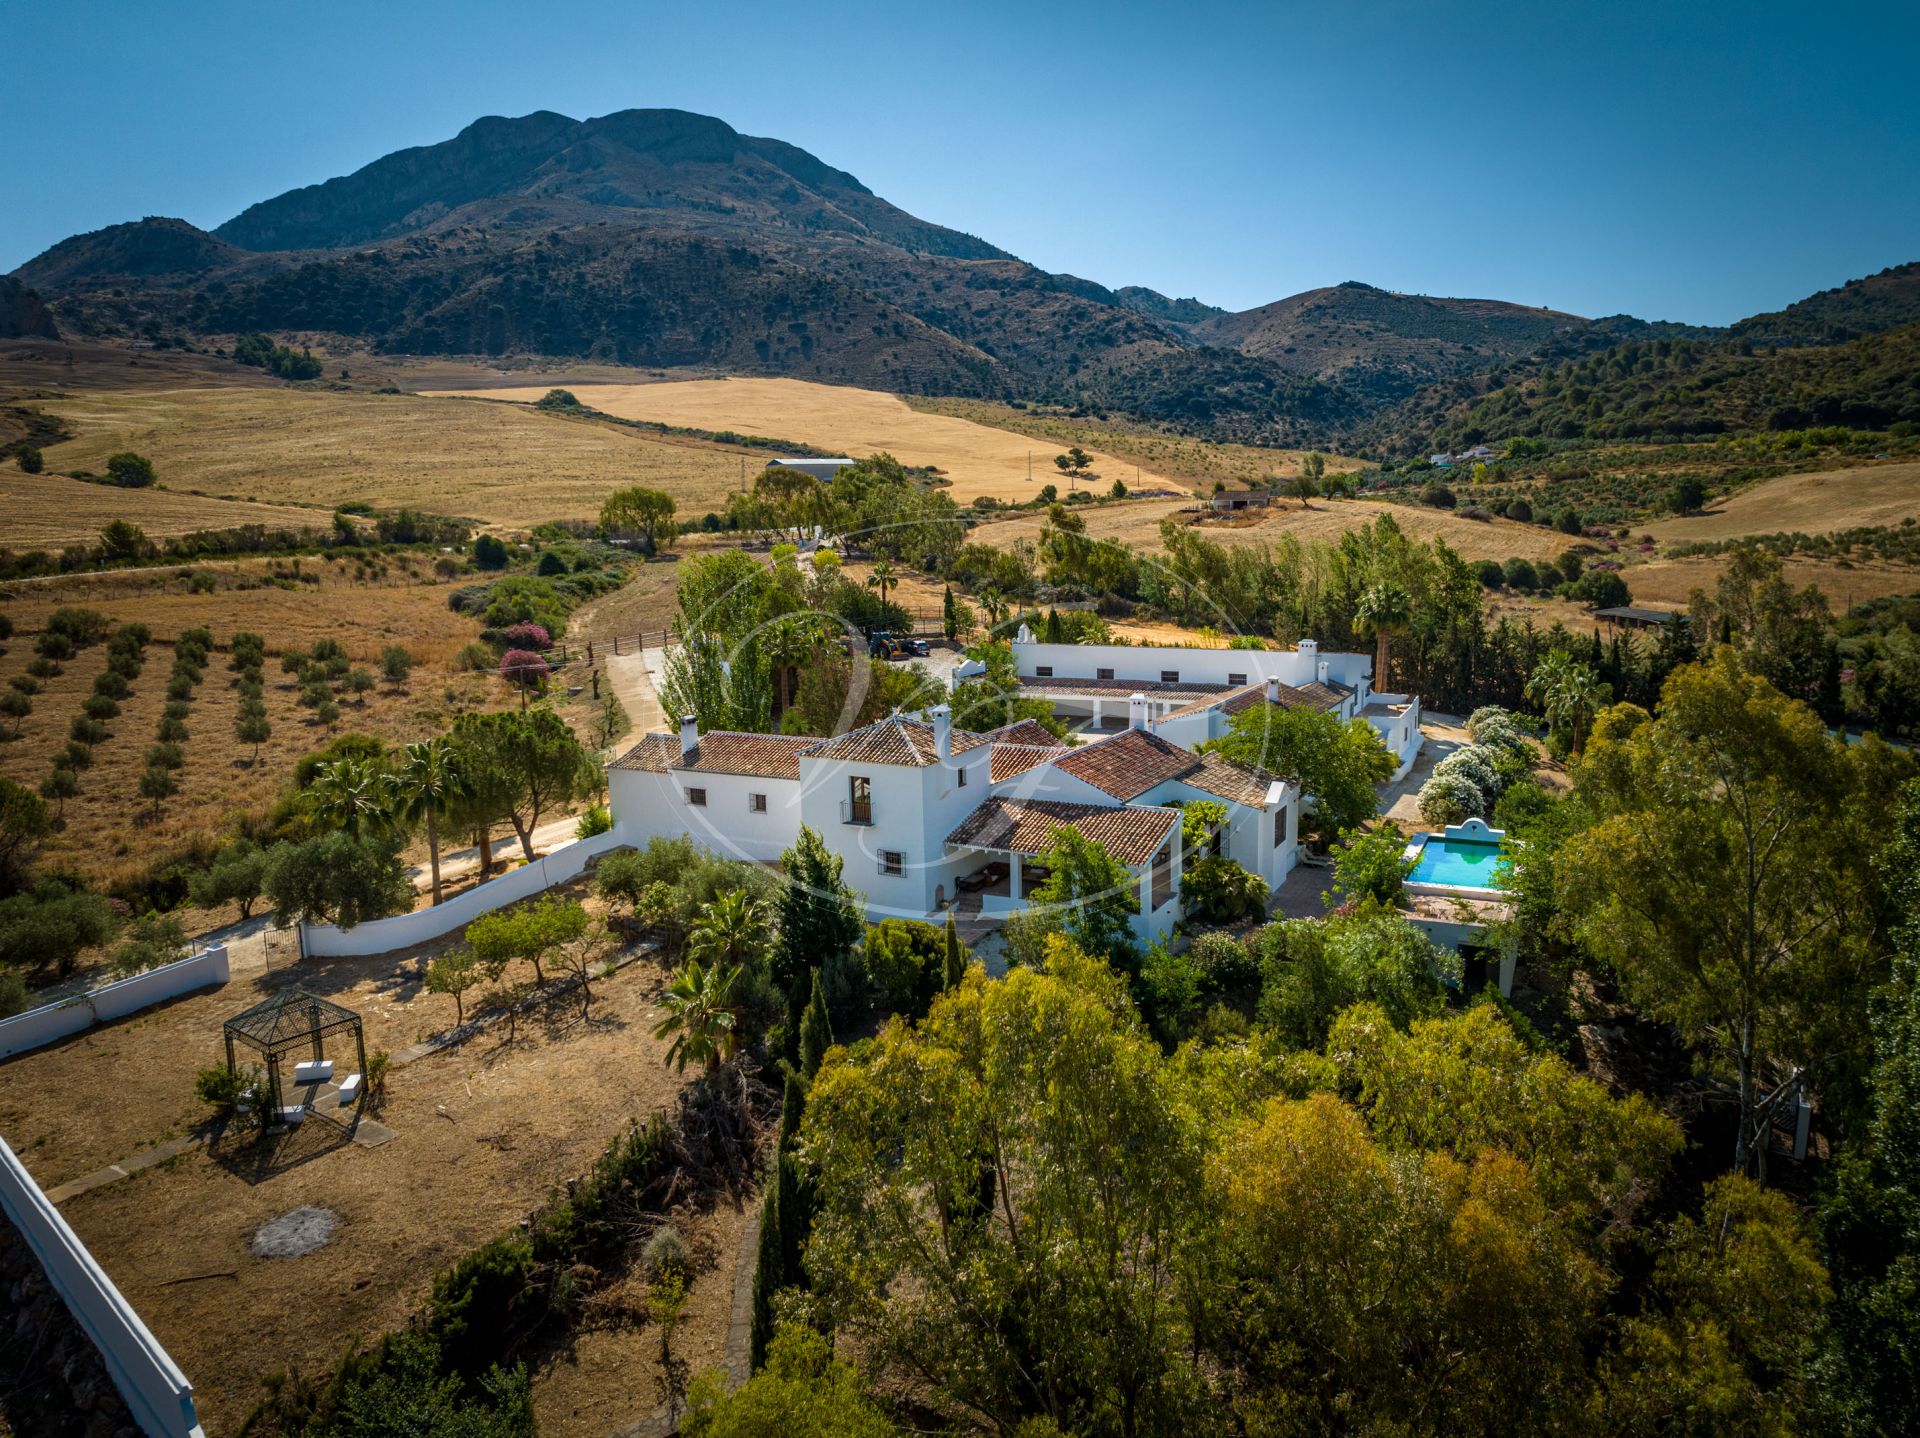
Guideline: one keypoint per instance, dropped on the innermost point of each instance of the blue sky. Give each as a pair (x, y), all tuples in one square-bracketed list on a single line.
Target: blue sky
[(1672, 160)]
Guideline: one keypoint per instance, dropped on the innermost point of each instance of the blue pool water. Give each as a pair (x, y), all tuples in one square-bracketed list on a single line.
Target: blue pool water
[(1457, 863)]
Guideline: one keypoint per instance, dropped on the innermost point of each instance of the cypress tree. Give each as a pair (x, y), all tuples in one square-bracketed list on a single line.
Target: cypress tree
[(769, 1273), (793, 1103), (956, 966), (797, 1202), (816, 1033)]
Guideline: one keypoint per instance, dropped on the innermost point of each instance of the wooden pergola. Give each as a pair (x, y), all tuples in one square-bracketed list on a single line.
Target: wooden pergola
[(286, 1023)]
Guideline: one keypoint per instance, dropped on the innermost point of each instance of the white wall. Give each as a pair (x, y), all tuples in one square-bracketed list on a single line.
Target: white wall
[(914, 809), (49, 1022), (1144, 664), (404, 931), (156, 1391), (649, 805)]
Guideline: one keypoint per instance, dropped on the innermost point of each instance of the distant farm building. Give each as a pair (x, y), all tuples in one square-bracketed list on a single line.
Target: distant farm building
[(1630, 617), (821, 469), (1228, 499)]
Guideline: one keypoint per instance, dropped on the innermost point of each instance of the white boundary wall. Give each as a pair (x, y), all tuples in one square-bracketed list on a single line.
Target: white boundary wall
[(149, 1380), (402, 931), (114, 1001)]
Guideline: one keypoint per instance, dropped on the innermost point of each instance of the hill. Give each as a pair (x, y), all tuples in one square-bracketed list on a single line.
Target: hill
[(1676, 389), (23, 315), (1164, 308), (1859, 307), (1380, 344)]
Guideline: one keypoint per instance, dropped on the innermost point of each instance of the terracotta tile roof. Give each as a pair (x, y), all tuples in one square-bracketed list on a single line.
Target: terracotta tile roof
[(1117, 688), (1135, 760), (766, 756), (1128, 764), (1023, 731), (1026, 826), (1011, 760), (890, 741)]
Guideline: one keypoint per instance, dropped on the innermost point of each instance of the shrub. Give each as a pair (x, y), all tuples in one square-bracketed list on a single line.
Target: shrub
[(1450, 799), (524, 669), (49, 926), (1220, 891), (474, 658), (1484, 715), (52, 645), (1371, 866), (166, 756), (1520, 510), (396, 663), (528, 635), (489, 552), (14, 994), (1477, 763), (1521, 574), (1437, 495), (86, 731), (550, 564), (152, 941), (130, 470), (597, 820), (665, 1255), (1223, 961), (1492, 574), (31, 461)]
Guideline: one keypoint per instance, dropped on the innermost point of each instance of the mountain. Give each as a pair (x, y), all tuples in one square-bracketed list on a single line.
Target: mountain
[(1859, 307), (1156, 306), (1382, 344)]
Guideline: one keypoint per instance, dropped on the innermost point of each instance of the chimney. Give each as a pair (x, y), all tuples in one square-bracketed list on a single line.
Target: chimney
[(1273, 691), (1321, 672), (1137, 712), (1309, 648), (943, 732), (689, 736)]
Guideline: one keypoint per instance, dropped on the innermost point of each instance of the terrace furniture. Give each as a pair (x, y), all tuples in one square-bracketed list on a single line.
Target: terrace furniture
[(288, 1023), (315, 1071), (349, 1089)]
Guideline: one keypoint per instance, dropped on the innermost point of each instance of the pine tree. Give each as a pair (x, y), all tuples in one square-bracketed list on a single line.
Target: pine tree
[(956, 966), (816, 1033)]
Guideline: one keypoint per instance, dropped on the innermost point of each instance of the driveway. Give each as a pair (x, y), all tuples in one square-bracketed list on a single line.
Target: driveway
[(1442, 733)]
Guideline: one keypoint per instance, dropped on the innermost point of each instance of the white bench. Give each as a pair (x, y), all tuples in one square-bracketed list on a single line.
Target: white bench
[(315, 1071), (349, 1089)]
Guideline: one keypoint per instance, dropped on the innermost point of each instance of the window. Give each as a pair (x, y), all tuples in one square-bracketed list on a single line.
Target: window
[(859, 806), (1103, 674), (756, 803), (1043, 671), (1169, 676), (697, 797), (1279, 827), (1236, 680), (892, 861), (1161, 887), (961, 782)]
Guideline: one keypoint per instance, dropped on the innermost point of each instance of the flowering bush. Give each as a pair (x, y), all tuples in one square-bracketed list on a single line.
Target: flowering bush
[(528, 635), (524, 668), (1450, 798)]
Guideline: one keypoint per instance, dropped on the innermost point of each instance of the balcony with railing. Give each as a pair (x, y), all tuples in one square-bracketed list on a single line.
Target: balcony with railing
[(856, 811)]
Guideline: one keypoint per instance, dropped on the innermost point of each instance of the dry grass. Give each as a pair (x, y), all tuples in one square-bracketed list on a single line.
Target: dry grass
[(49, 511), (502, 464), (1807, 503), (977, 459), (1668, 582), (1138, 525), (108, 832), (1197, 463), (484, 1132)]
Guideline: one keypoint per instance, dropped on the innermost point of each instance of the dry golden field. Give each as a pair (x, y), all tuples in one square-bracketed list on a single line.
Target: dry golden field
[(501, 464), (1666, 583), (978, 459), (1138, 525), (1197, 463), (48, 511), (1805, 503)]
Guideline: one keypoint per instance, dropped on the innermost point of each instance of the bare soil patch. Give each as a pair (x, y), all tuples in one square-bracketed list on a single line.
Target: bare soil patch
[(483, 1133)]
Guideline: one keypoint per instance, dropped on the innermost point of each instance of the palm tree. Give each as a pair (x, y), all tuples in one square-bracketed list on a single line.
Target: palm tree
[(353, 794), (429, 783), (883, 578), (700, 1015), (732, 931), (1383, 612), (1568, 693), (996, 607)]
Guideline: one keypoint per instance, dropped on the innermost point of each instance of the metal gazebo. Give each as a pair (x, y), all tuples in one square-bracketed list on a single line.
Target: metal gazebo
[(286, 1023)]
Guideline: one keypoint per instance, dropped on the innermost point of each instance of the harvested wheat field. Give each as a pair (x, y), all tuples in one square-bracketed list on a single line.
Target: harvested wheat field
[(977, 459), (1138, 525), (1803, 503), (501, 464), (1196, 463), (49, 511), (482, 1134), (1668, 582)]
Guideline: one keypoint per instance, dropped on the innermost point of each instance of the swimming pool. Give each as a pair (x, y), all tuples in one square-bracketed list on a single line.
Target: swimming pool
[(1456, 864)]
